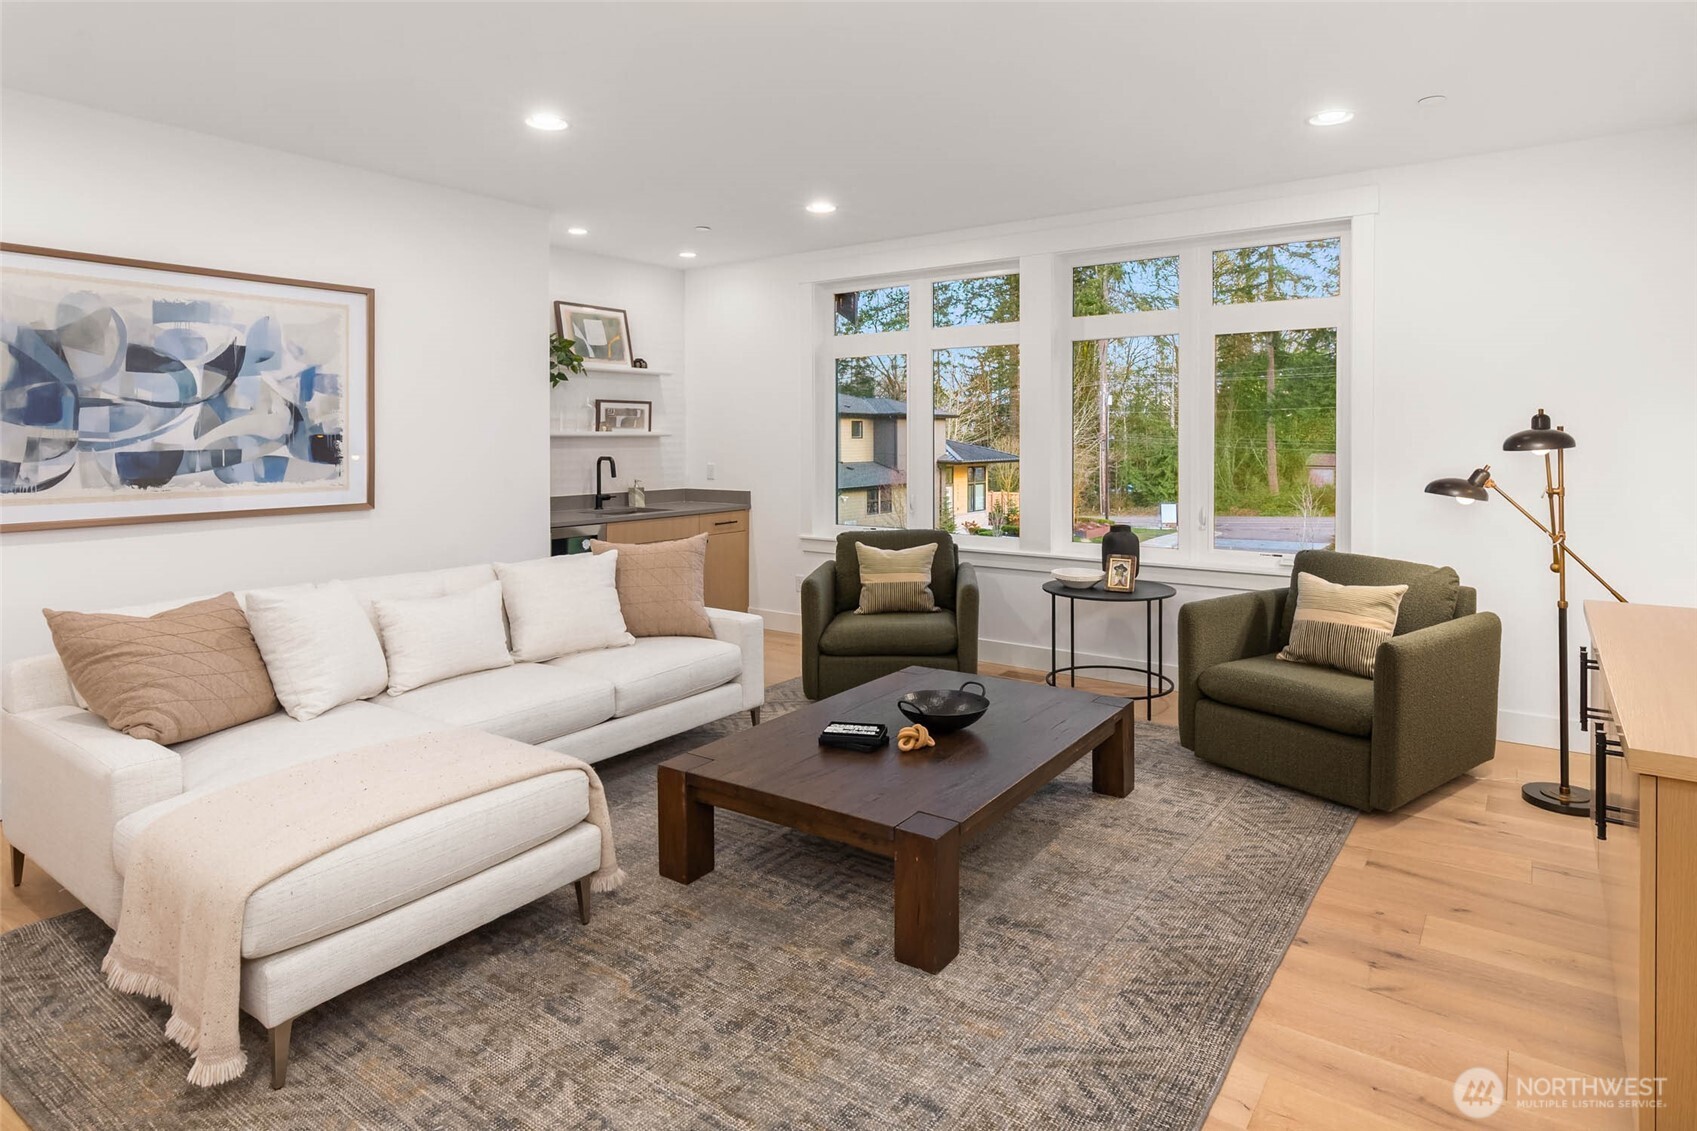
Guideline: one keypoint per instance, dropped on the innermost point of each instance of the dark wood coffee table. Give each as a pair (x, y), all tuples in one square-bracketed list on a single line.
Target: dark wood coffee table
[(918, 808)]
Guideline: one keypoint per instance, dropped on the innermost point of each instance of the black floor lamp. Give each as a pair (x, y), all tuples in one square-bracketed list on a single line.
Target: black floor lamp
[(1557, 796)]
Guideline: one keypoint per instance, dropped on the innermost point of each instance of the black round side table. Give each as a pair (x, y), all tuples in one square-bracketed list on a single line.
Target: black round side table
[(1153, 597)]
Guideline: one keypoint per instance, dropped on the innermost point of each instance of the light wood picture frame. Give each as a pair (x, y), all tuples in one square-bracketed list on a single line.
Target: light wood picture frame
[(140, 391)]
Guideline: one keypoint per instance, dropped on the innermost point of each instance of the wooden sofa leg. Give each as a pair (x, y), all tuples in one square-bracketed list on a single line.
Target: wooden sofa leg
[(754, 716), (280, 1053), (584, 899), (17, 867)]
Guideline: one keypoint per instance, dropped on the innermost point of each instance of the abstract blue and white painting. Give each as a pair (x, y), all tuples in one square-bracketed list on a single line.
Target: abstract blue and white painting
[(134, 393)]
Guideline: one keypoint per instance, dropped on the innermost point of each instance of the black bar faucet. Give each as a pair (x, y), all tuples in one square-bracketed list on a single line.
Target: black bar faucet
[(612, 469)]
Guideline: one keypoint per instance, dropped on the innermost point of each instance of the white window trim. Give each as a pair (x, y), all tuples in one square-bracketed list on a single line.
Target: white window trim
[(1044, 254)]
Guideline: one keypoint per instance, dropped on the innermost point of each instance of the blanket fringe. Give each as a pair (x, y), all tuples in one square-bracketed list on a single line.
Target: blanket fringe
[(127, 981), (183, 1033), (209, 1074), (602, 881)]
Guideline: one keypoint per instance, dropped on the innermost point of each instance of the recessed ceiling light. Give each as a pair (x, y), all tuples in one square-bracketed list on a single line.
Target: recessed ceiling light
[(543, 120), (1433, 100), (686, 255), (821, 207), (703, 228), (1331, 117), (577, 231)]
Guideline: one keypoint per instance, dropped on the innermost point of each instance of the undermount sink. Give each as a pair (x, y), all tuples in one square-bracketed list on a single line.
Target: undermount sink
[(629, 510)]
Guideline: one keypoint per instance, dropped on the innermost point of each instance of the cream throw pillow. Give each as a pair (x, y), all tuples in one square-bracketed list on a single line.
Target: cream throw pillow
[(556, 606), (319, 647), (169, 677), (661, 586), (427, 639), (896, 581), (1341, 626)]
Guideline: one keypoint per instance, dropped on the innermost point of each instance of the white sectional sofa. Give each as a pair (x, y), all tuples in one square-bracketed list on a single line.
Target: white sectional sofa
[(76, 794)]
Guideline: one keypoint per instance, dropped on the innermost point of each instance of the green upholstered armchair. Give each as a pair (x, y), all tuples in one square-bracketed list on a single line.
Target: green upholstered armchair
[(1428, 714), (841, 648)]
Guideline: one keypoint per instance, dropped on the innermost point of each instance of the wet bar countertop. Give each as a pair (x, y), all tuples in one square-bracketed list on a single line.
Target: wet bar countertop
[(579, 510)]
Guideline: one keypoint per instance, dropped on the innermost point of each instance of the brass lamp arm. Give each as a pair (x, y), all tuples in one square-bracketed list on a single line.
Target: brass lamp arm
[(1559, 540)]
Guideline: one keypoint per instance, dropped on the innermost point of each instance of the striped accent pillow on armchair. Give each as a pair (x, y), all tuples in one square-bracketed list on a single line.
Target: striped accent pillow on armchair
[(1341, 626), (896, 581)]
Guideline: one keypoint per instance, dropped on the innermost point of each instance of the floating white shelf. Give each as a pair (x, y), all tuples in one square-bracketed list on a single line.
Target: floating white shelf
[(623, 370), (621, 434)]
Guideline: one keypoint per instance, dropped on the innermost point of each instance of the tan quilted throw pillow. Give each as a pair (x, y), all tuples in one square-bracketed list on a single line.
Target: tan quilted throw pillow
[(169, 677), (1341, 626), (896, 581), (661, 586)]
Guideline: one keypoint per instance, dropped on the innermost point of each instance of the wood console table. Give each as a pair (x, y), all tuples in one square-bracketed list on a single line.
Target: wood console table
[(1643, 691)]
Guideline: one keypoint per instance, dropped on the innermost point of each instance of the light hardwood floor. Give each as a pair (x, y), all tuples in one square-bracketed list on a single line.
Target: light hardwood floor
[(1464, 930)]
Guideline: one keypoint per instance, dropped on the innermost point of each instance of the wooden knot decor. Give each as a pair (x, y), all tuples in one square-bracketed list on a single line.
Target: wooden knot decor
[(913, 738)]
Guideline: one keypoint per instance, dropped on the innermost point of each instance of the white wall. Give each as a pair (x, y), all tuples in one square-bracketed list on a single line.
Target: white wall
[(461, 406), (653, 299), (1556, 277)]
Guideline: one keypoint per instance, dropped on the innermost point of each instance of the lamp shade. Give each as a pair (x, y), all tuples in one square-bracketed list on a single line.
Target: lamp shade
[(1471, 489), (1538, 438)]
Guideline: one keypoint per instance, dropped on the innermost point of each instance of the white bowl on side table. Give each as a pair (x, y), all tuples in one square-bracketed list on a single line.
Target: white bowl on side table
[(1077, 578)]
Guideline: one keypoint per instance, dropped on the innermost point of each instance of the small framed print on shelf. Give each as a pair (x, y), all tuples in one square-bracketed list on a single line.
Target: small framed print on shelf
[(1122, 575), (624, 416)]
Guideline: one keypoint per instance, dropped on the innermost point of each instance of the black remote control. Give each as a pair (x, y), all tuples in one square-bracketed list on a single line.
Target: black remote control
[(855, 736)]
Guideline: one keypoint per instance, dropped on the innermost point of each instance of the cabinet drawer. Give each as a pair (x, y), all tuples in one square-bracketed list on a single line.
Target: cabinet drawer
[(654, 529), (728, 522)]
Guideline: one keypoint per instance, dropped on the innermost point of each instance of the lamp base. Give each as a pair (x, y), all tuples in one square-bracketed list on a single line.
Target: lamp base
[(1548, 795)]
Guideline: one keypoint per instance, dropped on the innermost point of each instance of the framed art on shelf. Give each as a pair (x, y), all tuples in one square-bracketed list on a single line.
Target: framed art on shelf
[(136, 391), (624, 416), (601, 333)]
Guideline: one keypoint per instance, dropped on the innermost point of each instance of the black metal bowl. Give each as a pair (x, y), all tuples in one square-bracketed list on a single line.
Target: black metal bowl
[(944, 712)]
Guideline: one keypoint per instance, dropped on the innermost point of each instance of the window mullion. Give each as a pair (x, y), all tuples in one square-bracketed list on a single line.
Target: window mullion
[(921, 423), (1196, 404)]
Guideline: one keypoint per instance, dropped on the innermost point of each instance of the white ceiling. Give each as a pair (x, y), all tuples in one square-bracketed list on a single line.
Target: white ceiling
[(914, 118)]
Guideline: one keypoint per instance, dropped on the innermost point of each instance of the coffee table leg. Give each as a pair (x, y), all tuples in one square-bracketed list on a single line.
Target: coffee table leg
[(927, 892), (1112, 769), (686, 829)]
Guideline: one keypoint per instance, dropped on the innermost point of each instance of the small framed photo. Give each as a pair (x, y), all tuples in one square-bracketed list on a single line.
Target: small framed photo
[(1122, 575), (624, 416), (601, 333)]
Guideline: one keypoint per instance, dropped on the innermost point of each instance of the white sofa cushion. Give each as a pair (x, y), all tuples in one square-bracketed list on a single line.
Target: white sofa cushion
[(318, 646), (527, 702), (426, 639), (277, 742), (657, 670), (413, 586), (563, 604), (394, 865)]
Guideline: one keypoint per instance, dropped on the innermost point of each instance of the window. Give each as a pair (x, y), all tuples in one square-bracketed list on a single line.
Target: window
[(1194, 396), (974, 302), (975, 397), (976, 488), (1308, 269), (872, 440), (1125, 438), (1276, 440), (878, 311), (1120, 288)]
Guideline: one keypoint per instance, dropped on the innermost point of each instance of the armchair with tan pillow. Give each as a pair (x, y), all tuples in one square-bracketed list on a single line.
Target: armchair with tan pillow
[(843, 647)]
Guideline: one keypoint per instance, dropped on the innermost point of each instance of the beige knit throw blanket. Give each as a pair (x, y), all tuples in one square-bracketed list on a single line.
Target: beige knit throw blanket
[(191, 871)]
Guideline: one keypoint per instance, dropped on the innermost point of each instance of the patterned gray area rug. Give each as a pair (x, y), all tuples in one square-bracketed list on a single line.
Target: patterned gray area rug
[(1112, 953)]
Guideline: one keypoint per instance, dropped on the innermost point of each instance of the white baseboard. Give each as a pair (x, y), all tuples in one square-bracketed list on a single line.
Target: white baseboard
[(1512, 726)]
